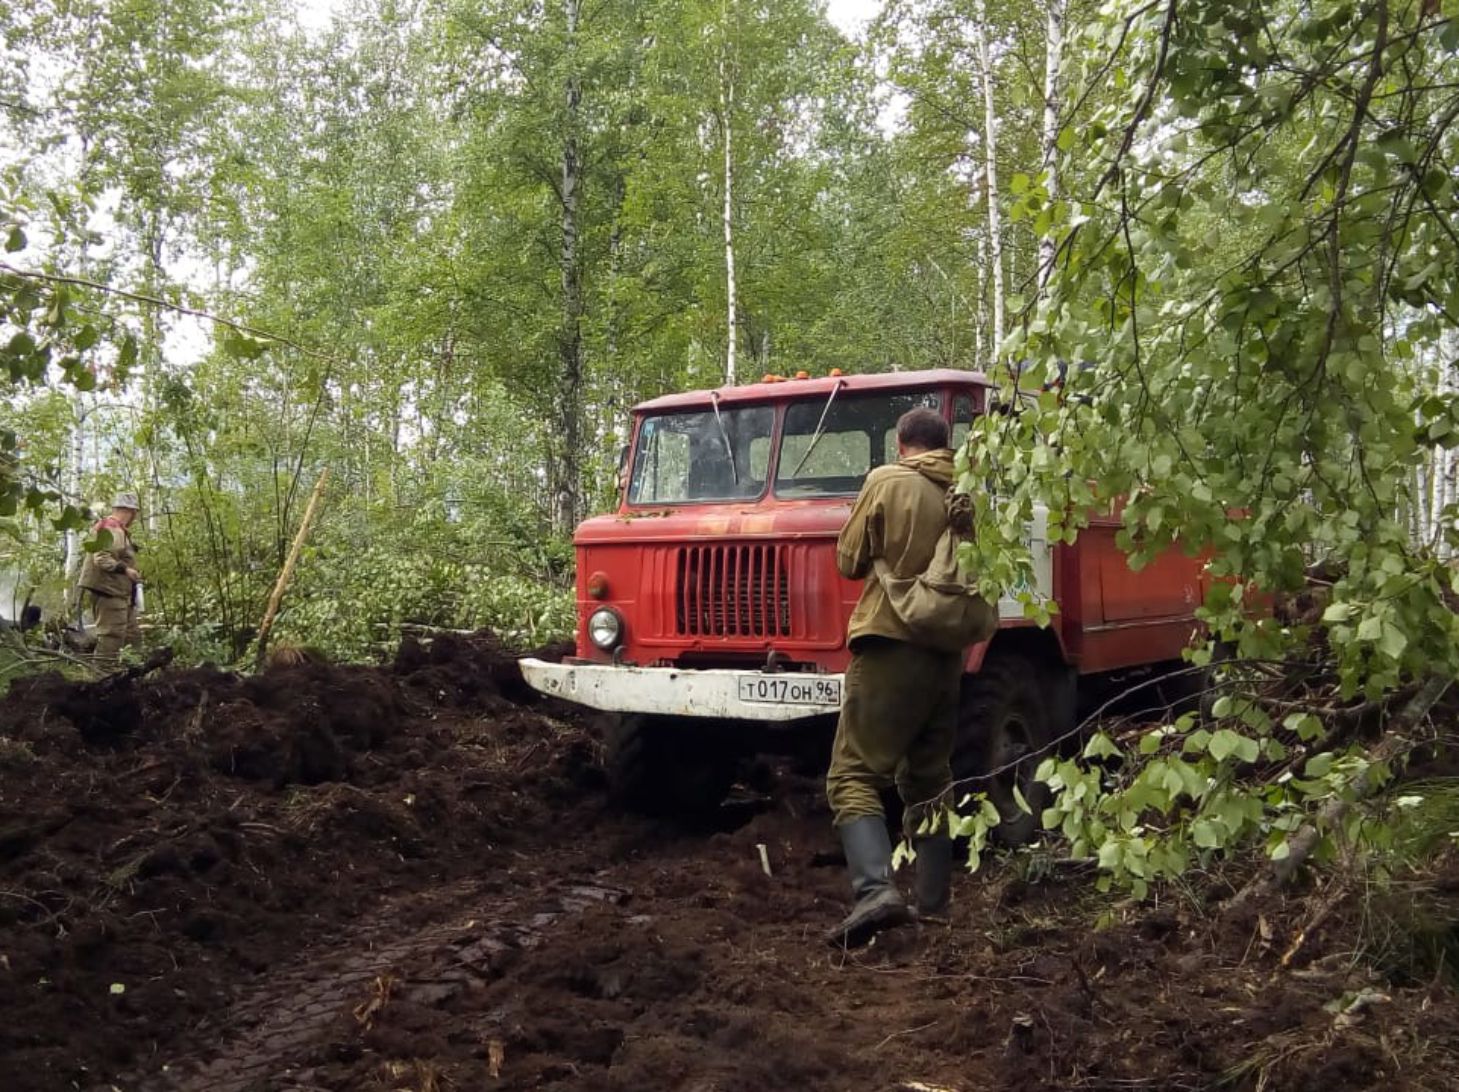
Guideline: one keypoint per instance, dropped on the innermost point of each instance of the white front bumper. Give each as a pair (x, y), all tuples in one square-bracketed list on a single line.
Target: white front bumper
[(672, 691)]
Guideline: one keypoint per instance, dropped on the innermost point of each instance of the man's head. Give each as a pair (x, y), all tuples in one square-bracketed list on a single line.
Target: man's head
[(124, 507), (920, 430)]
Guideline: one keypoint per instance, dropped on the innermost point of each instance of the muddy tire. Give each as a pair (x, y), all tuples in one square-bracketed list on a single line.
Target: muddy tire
[(1010, 709), (666, 766), (1210, 680)]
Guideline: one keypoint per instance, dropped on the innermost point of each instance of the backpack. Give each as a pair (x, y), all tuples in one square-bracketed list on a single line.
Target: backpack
[(939, 607)]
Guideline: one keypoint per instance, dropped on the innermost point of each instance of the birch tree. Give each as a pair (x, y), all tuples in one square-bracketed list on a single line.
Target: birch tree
[(1053, 108), (565, 473), (726, 125), (989, 138)]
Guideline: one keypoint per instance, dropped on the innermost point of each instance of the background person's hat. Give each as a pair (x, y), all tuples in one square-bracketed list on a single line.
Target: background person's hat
[(126, 500)]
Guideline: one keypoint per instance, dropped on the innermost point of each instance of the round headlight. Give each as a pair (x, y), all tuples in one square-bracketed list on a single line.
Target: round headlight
[(605, 628)]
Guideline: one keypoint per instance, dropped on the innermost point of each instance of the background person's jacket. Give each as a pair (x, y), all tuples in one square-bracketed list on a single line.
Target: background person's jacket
[(105, 571)]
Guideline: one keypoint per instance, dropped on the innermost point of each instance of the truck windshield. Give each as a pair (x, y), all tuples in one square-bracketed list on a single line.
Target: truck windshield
[(859, 433), (689, 457)]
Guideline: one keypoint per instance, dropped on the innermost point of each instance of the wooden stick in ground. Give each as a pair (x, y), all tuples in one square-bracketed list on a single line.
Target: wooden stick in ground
[(288, 570)]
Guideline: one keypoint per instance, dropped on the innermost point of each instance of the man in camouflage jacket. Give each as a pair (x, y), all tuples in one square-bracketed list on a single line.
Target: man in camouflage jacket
[(110, 576)]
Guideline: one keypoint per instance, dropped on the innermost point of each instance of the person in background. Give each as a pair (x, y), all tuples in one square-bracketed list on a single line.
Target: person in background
[(109, 575)]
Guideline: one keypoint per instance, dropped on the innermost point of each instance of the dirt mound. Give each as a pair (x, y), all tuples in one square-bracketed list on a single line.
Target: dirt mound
[(466, 671), (406, 878), (683, 965), (710, 974), (163, 839)]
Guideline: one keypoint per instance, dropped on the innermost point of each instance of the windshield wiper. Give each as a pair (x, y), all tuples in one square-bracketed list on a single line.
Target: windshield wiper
[(816, 436), (723, 435)]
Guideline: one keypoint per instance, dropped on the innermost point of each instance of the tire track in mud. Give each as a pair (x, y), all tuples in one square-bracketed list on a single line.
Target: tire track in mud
[(271, 1035)]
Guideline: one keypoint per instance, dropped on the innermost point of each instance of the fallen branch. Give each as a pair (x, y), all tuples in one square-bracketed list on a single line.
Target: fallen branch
[(1396, 742), (904, 1031), (1330, 902), (159, 659), (288, 570)]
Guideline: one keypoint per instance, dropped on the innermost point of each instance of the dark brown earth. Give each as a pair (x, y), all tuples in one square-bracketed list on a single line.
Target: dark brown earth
[(408, 878)]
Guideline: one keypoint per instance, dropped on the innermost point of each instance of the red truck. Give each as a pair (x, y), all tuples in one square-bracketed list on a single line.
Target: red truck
[(710, 607)]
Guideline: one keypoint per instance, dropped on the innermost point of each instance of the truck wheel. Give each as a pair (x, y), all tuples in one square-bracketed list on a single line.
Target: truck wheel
[(666, 765), (1222, 656), (1013, 707)]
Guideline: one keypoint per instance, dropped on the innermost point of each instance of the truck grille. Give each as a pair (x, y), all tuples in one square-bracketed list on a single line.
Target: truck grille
[(732, 591)]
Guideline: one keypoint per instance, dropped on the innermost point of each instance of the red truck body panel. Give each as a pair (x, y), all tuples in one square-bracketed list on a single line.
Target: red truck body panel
[(726, 583)]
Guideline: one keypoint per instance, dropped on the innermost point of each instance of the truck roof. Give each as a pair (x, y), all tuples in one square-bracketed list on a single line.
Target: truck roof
[(779, 389)]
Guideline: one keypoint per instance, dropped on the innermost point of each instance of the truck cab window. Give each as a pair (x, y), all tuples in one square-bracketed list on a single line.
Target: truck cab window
[(859, 433), (962, 419), (683, 457)]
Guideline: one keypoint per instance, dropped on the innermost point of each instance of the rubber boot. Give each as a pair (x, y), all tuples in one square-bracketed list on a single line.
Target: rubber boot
[(878, 903), (934, 875)]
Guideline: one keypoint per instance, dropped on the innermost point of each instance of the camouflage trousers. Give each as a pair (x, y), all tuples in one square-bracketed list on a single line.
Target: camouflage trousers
[(116, 626), (898, 724)]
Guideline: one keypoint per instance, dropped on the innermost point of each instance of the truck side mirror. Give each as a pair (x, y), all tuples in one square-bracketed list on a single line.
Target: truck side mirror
[(623, 468)]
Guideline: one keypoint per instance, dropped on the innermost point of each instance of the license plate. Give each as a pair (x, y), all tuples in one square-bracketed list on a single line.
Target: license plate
[(791, 690)]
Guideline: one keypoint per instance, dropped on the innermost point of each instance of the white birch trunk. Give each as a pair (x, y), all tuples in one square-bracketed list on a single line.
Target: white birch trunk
[(726, 106), (1445, 487), (982, 294), (1053, 61), (565, 479), (990, 173), (72, 597)]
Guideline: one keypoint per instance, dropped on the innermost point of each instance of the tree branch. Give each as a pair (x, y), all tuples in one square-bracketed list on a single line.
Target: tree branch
[(1396, 742), (154, 301)]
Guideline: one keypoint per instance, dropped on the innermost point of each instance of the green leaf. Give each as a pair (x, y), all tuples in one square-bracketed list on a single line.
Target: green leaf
[(15, 239), (1392, 642), (989, 812), (127, 355), (1338, 612), (1101, 746), (1020, 802), (1196, 742), (1206, 834), (1226, 743), (243, 346), (1110, 855)]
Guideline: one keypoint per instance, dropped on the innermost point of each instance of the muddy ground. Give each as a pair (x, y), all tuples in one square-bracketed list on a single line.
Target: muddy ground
[(409, 878)]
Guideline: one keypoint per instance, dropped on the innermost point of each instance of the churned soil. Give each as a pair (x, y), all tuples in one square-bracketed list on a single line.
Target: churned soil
[(409, 878)]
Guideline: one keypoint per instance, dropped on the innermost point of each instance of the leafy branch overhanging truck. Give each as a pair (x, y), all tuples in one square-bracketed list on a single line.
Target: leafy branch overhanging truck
[(710, 608)]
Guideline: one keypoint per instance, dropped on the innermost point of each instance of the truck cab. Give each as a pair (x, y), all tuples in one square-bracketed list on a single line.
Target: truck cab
[(709, 602)]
